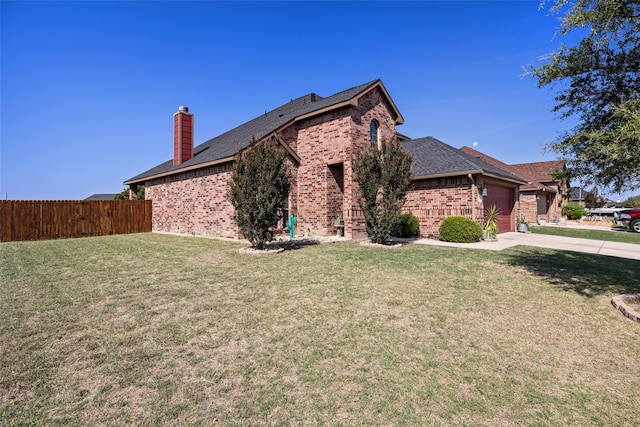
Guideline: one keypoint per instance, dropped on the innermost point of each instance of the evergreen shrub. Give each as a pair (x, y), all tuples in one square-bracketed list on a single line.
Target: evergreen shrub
[(407, 225), (460, 229), (260, 186), (574, 210), (383, 175)]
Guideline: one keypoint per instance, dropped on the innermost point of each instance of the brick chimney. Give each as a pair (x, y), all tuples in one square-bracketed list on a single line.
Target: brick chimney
[(182, 136)]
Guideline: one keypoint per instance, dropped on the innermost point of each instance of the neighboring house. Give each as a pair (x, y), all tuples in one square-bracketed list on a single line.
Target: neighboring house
[(322, 137), (542, 195), (548, 204), (579, 195), (101, 197), (613, 204)]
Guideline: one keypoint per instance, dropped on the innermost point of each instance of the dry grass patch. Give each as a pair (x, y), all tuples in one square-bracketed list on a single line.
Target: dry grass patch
[(163, 330)]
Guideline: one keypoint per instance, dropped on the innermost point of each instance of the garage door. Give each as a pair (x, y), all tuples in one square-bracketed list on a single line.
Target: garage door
[(502, 197)]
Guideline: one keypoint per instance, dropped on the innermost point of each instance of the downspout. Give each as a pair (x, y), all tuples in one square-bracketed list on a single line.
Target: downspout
[(473, 197)]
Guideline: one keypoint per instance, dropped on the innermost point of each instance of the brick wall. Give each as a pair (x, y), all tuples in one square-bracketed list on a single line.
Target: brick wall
[(193, 202), (528, 205), (327, 145), (324, 146), (434, 200), (536, 205)]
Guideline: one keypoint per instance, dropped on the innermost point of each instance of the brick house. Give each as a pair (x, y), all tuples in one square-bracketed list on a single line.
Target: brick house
[(542, 195), (449, 182), (322, 137)]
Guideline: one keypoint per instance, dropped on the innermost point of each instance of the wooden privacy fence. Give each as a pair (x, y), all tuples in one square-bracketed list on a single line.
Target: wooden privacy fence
[(43, 220)]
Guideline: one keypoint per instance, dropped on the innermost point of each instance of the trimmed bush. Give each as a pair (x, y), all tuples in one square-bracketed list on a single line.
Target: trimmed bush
[(407, 225), (460, 229), (574, 210)]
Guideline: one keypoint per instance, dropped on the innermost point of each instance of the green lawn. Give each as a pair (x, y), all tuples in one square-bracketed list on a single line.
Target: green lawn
[(622, 235), (152, 329)]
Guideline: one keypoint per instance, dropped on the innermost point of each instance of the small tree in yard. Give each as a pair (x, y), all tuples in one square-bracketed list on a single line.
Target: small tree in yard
[(124, 194), (384, 176), (593, 200), (260, 185)]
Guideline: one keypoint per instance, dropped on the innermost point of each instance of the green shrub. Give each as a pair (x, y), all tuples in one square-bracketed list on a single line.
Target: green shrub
[(384, 176), (574, 210), (260, 186), (407, 225), (460, 229)]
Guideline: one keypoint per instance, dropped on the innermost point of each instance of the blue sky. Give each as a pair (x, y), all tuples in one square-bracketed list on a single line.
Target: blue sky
[(89, 88)]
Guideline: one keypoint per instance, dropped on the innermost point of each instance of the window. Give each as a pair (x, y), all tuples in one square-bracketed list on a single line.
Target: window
[(373, 133)]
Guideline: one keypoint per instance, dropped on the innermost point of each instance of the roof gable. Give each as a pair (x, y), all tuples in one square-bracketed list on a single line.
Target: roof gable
[(223, 147)]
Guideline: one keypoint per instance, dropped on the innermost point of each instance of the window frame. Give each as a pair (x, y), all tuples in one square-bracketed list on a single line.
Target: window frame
[(374, 134)]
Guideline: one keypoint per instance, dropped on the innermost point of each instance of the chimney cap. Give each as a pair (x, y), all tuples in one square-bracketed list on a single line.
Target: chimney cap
[(183, 109)]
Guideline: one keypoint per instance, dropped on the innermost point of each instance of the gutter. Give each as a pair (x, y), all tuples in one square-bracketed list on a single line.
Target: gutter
[(448, 174), (471, 172)]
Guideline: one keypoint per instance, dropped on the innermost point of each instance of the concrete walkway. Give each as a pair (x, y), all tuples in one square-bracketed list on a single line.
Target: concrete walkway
[(507, 240)]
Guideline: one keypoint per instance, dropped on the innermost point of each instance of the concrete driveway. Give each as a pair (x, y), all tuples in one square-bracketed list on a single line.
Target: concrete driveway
[(507, 240)]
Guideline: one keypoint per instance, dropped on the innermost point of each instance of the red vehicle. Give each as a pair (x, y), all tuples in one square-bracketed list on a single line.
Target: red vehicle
[(630, 217)]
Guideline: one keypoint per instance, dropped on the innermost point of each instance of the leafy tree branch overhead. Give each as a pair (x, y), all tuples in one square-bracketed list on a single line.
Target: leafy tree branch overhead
[(598, 82)]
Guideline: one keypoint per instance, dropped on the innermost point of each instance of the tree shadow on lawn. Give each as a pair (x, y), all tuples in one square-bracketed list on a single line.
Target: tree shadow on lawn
[(587, 274)]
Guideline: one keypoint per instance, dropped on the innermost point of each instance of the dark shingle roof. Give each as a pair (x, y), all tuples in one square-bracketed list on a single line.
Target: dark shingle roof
[(519, 170), (540, 171), (435, 158), (579, 193), (229, 143), (100, 196)]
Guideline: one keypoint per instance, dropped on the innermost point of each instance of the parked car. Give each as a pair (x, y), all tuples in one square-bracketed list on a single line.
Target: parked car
[(630, 218)]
